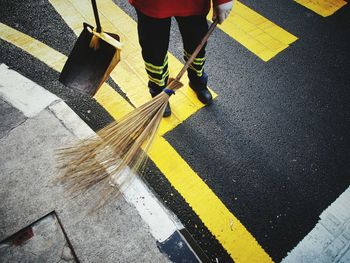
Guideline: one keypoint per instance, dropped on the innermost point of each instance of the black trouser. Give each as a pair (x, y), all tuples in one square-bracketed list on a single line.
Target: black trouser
[(154, 36)]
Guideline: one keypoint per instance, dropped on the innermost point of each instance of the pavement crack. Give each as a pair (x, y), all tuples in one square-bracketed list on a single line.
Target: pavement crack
[(7, 133), (61, 121)]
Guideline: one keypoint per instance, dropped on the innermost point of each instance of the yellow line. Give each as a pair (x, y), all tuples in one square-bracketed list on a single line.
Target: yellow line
[(233, 236), (130, 76), (323, 7), (106, 96), (51, 57), (259, 35)]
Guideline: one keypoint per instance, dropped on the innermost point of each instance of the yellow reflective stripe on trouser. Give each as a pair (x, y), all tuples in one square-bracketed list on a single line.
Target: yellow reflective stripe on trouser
[(196, 61), (156, 69), (198, 72), (159, 82), (197, 65)]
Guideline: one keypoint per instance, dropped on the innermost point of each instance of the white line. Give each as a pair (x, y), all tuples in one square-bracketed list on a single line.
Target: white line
[(329, 240), (23, 93), (160, 220), (71, 120), (152, 212)]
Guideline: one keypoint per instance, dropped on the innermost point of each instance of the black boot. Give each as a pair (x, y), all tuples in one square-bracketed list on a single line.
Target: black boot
[(154, 91), (199, 86)]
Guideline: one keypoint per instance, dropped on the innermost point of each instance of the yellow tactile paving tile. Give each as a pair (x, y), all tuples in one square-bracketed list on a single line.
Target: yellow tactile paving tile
[(115, 105), (71, 18), (107, 96), (130, 73), (323, 7), (227, 229), (259, 35)]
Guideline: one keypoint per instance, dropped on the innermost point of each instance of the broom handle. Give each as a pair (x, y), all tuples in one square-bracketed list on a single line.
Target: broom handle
[(195, 52), (97, 18)]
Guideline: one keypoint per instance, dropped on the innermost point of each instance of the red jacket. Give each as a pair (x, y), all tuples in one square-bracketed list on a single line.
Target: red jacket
[(168, 8)]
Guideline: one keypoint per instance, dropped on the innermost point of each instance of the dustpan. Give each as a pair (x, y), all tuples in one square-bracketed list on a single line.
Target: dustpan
[(92, 59)]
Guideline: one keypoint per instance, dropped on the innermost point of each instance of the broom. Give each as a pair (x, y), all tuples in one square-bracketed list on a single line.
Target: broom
[(106, 159), (95, 40)]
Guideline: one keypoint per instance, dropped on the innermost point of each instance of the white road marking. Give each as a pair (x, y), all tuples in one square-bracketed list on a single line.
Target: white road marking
[(329, 240), (22, 93)]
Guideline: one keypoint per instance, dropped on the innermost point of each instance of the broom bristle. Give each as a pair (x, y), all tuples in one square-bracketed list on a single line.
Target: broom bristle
[(95, 42), (101, 160)]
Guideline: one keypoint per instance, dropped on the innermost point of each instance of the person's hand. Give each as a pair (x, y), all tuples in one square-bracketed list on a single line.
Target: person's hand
[(221, 12)]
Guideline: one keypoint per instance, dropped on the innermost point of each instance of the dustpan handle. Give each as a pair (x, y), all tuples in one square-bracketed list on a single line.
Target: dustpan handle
[(196, 51), (97, 18)]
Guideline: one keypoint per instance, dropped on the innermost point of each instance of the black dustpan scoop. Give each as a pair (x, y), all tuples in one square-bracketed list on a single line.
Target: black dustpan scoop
[(94, 56)]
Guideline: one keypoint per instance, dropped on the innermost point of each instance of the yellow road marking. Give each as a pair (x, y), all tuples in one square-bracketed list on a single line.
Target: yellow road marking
[(323, 7), (228, 230), (106, 96), (130, 76), (259, 35), (51, 57)]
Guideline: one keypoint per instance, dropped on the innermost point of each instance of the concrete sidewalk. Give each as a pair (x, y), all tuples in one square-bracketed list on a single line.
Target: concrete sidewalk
[(39, 222)]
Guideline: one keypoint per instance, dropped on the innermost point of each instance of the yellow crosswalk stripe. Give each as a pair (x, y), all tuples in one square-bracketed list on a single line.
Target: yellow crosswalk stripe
[(323, 7), (259, 35)]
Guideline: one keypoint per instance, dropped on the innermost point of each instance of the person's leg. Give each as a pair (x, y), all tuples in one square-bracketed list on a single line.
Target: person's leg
[(193, 29), (154, 41)]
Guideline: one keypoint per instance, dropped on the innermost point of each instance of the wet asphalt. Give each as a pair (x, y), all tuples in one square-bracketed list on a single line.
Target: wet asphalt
[(274, 146)]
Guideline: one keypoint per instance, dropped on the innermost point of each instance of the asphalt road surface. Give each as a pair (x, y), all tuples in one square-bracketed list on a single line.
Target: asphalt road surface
[(275, 145)]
